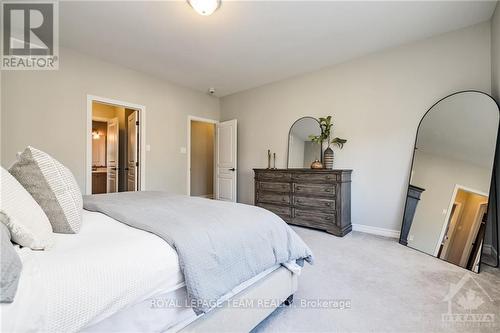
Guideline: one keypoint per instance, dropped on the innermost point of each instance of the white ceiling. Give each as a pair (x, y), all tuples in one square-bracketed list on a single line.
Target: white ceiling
[(461, 127), (248, 44)]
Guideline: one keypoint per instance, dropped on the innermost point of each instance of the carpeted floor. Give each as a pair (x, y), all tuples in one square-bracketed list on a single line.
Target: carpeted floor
[(391, 288)]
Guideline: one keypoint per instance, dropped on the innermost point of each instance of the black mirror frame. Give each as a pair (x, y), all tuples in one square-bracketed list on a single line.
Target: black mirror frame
[(493, 183), (288, 144)]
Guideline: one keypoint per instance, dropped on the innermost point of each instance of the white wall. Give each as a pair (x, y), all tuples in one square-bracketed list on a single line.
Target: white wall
[(377, 102), (438, 176), (47, 109)]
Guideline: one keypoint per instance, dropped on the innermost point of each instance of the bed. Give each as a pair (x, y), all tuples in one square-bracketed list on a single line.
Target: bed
[(146, 261), (110, 277)]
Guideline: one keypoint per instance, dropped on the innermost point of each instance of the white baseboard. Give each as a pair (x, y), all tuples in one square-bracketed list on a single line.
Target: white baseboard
[(376, 230)]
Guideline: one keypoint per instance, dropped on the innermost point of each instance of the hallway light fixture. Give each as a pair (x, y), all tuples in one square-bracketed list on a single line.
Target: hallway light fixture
[(204, 7)]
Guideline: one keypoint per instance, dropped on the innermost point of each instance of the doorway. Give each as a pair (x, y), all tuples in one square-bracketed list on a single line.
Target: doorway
[(212, 158), (202, 158), (115, 158), (459, 242)]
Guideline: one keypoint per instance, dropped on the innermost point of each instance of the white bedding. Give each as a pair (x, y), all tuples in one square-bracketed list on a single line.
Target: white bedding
[(88, 276)]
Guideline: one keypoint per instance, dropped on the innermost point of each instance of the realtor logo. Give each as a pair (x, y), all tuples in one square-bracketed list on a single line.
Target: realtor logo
[(466, 305), (30, 35)]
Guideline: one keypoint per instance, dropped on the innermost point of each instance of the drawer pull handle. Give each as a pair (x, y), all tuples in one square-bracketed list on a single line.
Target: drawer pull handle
[(328, 204), (298, 188), (327, 190)]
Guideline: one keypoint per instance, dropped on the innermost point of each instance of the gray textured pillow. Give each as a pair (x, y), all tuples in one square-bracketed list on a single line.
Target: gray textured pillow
[(53, 187), (11, 265)]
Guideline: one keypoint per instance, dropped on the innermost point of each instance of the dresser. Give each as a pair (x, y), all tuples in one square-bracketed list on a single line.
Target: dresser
[(319, 199)]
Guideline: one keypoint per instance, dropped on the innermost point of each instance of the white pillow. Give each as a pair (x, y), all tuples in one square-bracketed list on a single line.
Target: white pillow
[(53, 187), (27, 223)]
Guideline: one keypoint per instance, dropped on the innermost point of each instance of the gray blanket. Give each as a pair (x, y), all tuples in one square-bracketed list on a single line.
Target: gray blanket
[(220, 244)]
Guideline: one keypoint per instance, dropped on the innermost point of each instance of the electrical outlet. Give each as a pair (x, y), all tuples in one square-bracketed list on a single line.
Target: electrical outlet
[(183, 150)]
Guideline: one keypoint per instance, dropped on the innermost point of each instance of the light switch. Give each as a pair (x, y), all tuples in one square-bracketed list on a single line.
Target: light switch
[(183, 150), (148, 147)]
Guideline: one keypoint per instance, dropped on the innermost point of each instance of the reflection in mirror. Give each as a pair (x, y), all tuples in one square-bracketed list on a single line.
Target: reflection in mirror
[(447, 203), (301, 150)]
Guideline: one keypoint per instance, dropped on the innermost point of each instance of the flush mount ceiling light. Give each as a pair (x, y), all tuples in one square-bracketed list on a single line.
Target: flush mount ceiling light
[(204, 7)]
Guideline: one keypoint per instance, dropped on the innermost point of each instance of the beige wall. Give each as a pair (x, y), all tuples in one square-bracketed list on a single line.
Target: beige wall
[(47, 109), (438, 176), (202, 158), (495, 53), (377, 102)]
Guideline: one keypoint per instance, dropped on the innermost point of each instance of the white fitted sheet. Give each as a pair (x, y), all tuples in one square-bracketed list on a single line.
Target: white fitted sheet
[(89, 276)]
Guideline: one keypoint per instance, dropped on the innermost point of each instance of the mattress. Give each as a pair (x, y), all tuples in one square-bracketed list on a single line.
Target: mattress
[(107, 278)]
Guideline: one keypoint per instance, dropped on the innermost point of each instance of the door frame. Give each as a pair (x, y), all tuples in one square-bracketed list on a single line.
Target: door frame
[(88, 139), (191, 118), (448, 212)]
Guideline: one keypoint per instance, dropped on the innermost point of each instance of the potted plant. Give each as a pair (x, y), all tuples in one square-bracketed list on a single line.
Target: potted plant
[(325, 123)]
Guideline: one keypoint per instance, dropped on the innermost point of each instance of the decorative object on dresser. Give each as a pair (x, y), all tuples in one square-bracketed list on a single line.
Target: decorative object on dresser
[(269, 158), (325, 124), (316, 165), (302, 150), (319, 199), (328, 158)]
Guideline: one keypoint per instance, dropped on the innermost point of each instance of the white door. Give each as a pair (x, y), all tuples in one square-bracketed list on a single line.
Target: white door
[(132, 154), (226, 150), (112, 155)]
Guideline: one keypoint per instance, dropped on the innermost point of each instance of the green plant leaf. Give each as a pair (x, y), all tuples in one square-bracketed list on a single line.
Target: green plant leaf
[(339, 142)]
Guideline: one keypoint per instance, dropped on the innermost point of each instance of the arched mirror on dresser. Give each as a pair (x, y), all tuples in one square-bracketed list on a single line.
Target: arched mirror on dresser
[(302, 150), (451, 203)]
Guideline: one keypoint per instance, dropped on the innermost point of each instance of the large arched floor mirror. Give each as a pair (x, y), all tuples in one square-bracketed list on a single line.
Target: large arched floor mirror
[(450, 210)]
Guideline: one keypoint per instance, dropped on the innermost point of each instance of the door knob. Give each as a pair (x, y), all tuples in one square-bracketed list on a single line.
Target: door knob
[(232, 169)]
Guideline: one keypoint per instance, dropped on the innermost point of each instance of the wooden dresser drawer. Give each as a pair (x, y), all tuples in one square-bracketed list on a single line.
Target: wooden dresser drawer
[(282, 211), (269, 197), (313, 219), (274, 187), (323, 190), (314, 178), (273, 176), (310, 202), (318, 199)]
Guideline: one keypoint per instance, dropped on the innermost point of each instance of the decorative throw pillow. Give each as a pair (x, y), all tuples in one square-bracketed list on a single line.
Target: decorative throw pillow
[(27, 223), (53, 186), (11, 265)]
